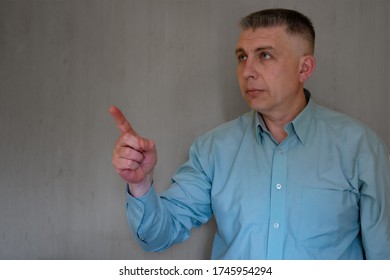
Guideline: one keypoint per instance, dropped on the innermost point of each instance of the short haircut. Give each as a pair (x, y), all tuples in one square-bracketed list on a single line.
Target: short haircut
[(296, 23)]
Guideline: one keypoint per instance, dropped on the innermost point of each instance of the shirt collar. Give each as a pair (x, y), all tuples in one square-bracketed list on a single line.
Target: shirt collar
[(261, 128), (301, 123)]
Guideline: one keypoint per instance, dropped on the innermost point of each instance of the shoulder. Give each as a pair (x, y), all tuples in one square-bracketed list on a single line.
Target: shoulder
[(344, 128), (339, 121)]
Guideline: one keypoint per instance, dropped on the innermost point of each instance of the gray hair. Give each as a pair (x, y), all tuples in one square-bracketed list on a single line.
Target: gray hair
[(296, 23)]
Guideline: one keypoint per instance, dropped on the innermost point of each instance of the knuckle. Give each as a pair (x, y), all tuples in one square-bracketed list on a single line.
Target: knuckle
[(127, 152), (132, 164)]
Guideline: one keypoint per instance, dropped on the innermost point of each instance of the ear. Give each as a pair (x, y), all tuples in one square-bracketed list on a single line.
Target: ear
[(307, 64)]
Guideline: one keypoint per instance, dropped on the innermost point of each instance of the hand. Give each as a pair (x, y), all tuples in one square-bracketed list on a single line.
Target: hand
[(133, 157)]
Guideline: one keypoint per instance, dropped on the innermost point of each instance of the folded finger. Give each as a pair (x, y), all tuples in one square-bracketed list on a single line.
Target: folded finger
[(121, 164), (128, 153)]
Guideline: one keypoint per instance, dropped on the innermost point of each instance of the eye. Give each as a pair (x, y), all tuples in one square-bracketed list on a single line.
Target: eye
[(242, 57), (265, 55)]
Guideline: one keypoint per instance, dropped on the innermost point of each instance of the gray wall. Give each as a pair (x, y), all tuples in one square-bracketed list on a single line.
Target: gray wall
[(170, 66)]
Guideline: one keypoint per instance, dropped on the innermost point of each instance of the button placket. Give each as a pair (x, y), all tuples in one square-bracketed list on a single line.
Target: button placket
[(277, 209)]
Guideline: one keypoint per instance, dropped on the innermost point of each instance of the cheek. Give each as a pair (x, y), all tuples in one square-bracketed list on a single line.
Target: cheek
[(241, 79), (286, 76)]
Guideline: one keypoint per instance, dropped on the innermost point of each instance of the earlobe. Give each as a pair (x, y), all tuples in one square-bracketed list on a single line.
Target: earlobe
[(307, 66)]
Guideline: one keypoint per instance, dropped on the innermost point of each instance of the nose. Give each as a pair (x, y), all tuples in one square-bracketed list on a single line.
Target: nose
[(249, 70)]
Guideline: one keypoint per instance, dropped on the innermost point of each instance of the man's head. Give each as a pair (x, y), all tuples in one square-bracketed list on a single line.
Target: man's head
[(275, 57), (295, 23)]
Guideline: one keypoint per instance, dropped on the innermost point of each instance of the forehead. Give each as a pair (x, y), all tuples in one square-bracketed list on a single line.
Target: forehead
[(275, 37)]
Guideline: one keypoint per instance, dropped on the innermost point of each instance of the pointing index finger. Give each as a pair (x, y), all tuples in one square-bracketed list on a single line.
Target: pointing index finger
[(121, 122)]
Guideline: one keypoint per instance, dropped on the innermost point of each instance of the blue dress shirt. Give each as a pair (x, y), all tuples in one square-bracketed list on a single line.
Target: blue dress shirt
[(322, 193)]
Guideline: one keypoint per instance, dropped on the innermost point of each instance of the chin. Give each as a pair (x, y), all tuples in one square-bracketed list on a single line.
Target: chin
[(257, 106)]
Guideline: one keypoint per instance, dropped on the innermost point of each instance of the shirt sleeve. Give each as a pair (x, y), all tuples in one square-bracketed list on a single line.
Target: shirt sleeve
[(159, 221), (136, 208), (374, 170)]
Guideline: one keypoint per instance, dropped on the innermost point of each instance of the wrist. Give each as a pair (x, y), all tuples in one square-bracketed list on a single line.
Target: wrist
[(141, 188)]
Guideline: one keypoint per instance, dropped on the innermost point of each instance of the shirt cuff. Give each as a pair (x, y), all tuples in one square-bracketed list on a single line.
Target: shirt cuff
[(138, 209)]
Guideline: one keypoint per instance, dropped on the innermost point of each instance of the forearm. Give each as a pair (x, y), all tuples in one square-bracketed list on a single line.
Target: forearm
[(159, 221), (152, 223)]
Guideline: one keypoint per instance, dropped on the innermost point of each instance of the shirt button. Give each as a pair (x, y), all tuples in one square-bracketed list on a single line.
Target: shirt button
[(280, 151), (276, 225), (278, 186)]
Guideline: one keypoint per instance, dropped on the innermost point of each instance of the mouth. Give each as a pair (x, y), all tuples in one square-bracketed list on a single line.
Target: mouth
[(254, 92)]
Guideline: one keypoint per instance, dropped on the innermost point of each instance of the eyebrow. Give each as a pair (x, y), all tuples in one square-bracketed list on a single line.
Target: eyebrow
[(259, 49)]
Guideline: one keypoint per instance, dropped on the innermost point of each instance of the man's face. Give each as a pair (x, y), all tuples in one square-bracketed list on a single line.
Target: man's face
[(269, 68)]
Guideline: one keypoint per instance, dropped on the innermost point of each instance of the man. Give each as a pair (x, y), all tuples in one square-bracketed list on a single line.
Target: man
[(288, 180)]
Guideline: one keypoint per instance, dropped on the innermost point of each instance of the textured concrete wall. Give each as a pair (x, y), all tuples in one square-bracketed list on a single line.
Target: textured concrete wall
[(170, 66)]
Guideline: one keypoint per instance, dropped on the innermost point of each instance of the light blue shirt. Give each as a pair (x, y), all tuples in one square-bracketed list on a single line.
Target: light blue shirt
[(322, 193)]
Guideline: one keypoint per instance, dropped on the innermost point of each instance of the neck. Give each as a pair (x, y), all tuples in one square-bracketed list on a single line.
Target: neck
[(277, 121)]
